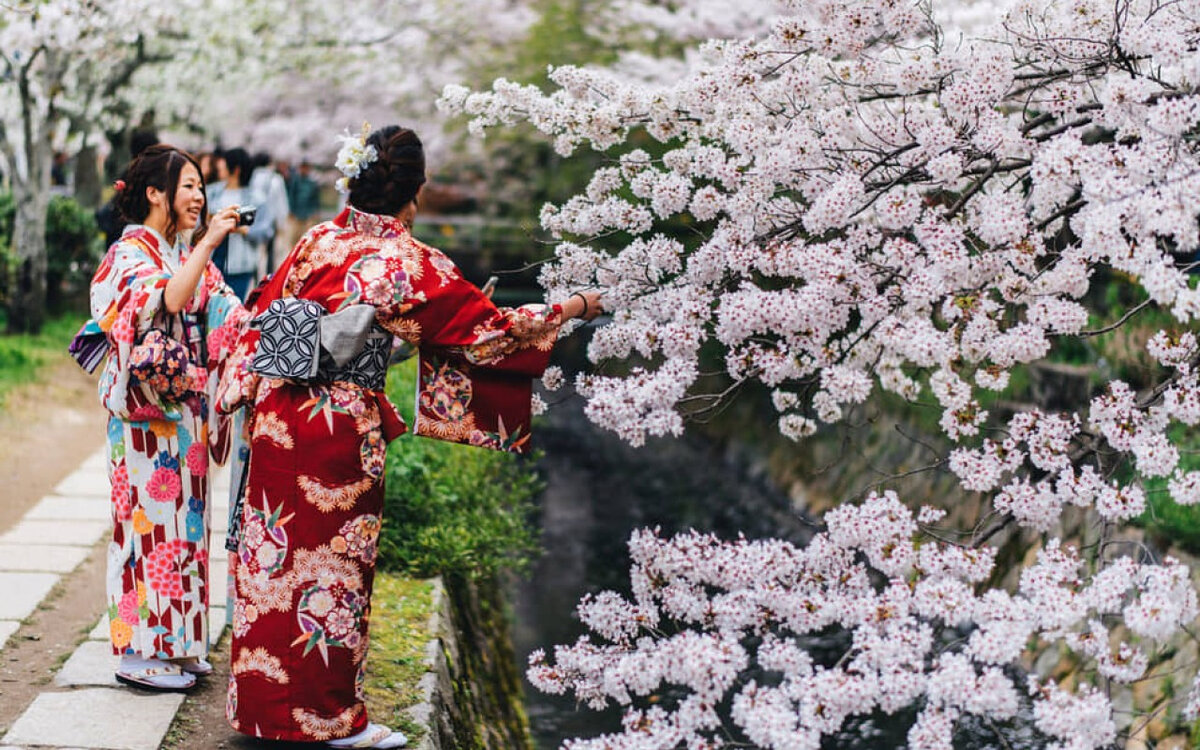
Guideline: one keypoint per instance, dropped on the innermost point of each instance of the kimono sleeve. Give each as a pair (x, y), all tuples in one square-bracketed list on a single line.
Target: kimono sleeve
[(477, 362), (225, 317), (126, 294)]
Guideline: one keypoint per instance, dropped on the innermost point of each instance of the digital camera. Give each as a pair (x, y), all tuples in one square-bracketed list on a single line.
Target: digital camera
[(246, 215)]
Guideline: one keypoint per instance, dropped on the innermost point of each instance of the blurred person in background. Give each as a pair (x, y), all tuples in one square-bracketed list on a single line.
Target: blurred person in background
[(304, 199), (268, 186), (243, 252)]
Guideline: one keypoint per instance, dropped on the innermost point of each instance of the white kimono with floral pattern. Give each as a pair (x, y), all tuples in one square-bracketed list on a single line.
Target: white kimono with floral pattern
[(159, 452)]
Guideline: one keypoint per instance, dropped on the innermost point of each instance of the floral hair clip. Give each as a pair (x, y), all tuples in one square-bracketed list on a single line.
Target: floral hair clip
[(354, 156), (119, 185)]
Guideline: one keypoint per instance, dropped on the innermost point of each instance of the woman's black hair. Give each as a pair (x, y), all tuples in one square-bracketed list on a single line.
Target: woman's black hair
[(158, 166), (392, 181)]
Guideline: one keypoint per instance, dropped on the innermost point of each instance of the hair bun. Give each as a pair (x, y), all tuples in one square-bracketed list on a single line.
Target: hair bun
[(392, 181)]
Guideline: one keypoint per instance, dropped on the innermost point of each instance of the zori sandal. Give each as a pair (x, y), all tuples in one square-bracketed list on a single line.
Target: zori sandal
[(374, 736), (153, 674), (195, 665)]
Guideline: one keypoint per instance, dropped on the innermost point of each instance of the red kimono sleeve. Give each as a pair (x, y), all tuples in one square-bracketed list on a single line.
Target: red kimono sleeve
[(477, 362)]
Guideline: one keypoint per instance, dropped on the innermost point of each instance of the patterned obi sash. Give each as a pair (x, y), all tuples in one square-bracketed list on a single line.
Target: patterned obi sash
[(300, 341)]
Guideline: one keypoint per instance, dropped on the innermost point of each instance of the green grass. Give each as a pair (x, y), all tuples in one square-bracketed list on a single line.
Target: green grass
[(453, 509), (24, 357), (400, 611)]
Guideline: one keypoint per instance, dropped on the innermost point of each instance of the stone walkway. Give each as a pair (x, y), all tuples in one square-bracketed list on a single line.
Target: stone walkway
[(84, 707)]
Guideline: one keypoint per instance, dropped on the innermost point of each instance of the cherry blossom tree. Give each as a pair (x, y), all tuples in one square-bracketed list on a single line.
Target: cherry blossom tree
[(261, 73), (67, 68), (883, 196), (48, 50), (328, 67)]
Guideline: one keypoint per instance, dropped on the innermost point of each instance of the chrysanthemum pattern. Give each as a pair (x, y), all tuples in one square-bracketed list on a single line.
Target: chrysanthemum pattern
[(270, 427), (165, 566), (263, 584), (322, 728), (122, 504), (329, 498), (164, 484), (359, 538), (259, 660)]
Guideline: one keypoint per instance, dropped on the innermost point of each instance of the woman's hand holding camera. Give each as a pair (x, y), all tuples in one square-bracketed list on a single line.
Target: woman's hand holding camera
[(183, 282), (221, 224)]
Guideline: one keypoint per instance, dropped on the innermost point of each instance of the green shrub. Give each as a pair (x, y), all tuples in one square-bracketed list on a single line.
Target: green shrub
[(74, 247), (453, 509)]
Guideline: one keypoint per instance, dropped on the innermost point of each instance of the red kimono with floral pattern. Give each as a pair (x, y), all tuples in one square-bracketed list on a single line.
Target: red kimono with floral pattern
[(314, 496)]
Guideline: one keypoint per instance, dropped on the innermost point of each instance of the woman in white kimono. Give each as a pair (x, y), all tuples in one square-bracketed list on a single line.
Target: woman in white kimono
[(161, 431)]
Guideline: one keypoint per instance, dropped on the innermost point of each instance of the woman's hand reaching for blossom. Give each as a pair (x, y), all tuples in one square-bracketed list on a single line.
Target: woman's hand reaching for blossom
[(585, 305)]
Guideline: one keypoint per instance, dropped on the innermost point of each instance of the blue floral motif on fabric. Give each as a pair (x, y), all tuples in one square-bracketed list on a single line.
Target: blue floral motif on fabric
[(194, 527)]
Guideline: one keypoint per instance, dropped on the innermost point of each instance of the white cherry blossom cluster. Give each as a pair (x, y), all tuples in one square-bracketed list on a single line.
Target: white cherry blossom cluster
[(906, 603), (835, 189)]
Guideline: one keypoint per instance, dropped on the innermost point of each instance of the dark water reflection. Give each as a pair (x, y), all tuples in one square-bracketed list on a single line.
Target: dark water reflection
[(598, 491)]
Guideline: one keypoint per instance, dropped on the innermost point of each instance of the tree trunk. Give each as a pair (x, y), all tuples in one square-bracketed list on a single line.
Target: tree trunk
[(27, 305), (87, 177), (31, 193)]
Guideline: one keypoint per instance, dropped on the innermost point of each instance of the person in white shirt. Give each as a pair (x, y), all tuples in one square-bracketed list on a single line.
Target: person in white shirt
[(269, 188)]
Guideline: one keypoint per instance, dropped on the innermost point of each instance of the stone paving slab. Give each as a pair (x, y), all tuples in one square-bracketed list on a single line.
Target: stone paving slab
[(7, 628), (55, 508), (92, 663), (23, 592), (100, 632), (98, 461), (85, 484), (80, 533), (218, 574), (48, 558), (97, 718)]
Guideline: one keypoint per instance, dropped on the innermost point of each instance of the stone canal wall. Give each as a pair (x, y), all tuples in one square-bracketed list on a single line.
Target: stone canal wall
[(472, 690)]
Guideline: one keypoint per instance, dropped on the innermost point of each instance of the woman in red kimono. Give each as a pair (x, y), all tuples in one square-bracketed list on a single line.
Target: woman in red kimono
[(314, 495)]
